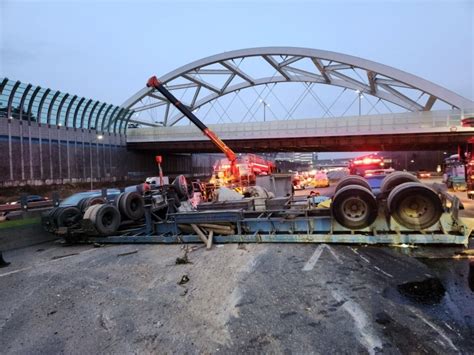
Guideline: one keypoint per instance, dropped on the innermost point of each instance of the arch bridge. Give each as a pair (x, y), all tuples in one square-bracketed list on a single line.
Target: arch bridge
[(417, 110)]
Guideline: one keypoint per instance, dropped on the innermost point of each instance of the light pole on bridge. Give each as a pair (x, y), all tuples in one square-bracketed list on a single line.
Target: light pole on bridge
[(360, 96), (265, 105)]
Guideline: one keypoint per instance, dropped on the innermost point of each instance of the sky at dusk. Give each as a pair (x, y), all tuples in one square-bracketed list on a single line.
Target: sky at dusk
[(107, 49)]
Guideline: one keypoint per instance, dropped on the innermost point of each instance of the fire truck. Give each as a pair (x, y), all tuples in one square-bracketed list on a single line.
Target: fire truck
[(248, 167), (369, 165), (233, 171), (466, 156)]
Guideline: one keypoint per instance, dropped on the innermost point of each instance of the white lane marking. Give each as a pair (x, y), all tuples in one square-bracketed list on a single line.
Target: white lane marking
[(435, 328), (46, 262), (367, 335), (313, 259), (338, 259), (360, 256), (15, 271), (447, 325), (383, 272)]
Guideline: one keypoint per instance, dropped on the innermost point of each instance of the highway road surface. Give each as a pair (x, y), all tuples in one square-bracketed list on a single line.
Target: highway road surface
[(251, 298)]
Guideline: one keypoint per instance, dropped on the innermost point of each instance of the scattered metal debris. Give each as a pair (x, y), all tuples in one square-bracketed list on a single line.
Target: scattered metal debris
[(128, 253), (184, 280), (184, 259), (63, 256), (241, 246)]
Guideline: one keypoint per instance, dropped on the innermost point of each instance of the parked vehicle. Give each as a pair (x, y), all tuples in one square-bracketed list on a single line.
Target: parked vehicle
[(319, 179), (423, 174), (31, 198)]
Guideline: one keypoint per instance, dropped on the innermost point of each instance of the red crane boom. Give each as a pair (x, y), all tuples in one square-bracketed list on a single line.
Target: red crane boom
[(229, 153)]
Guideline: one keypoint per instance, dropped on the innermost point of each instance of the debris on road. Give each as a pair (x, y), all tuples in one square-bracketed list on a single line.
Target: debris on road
[(241, 246), (184, 259), (184, 280), (63, 256), (128, 253)]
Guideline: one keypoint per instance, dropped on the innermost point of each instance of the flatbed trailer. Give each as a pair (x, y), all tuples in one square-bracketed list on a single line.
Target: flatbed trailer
[(288, 226)]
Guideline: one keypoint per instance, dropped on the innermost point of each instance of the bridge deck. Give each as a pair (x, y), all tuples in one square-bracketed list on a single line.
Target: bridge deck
[(430, 130)]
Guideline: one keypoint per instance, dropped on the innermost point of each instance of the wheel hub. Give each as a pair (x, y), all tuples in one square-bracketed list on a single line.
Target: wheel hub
[(354, 209)]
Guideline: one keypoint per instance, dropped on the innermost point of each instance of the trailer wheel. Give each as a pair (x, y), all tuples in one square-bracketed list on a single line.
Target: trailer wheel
[(396, 178), (48, 221), (106, 219), (181, 186), (132, 205), (81, 204), (354, 207), (89, 211), (352, 180), (414, 205), (68, 216), (90, 201)]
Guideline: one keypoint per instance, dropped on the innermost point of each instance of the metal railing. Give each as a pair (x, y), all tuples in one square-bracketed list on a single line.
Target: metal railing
[(412, 122)]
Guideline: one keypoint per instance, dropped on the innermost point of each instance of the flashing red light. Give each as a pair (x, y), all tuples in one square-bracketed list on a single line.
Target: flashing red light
[(158, 159), (467, 122), (367, 161)]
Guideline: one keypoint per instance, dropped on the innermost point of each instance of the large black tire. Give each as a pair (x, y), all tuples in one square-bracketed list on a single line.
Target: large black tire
[(116, 200), (181, 187), (81, 204), (131, 205), (414, 205), (89, 211), (396, 178), (90, 201), (106, 219), (352, 180), (354, 207), (68, 216), (48, 221)]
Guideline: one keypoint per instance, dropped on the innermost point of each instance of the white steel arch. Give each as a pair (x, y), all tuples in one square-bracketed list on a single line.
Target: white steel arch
[(328, 68)]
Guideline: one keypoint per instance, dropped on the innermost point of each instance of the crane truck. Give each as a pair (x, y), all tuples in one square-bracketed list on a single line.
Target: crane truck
[(231, 171)]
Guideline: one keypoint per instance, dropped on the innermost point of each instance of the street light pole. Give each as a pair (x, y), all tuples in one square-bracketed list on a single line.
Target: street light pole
[(359, 94), (99, 137), (264, 109)]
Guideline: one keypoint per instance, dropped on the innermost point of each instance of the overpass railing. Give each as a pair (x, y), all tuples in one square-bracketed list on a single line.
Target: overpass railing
[(412, 122)]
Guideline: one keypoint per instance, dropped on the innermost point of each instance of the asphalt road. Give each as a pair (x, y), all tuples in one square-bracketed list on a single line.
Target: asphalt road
[(239, 299), (252, 298)]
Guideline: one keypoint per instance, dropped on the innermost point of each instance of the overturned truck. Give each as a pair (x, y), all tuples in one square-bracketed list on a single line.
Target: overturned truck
[(403, 211)]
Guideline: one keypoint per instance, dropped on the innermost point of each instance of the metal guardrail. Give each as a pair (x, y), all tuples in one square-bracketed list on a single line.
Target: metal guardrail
[(28, 206), (24, 205)]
